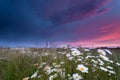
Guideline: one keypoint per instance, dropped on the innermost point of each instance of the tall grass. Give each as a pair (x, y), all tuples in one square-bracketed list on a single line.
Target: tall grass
[(56, 64)]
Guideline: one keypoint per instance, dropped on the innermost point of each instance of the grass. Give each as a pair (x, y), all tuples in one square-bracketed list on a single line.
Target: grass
[(18, 64)]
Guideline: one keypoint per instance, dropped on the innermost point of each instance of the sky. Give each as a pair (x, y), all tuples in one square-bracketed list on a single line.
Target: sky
[(76, 22)]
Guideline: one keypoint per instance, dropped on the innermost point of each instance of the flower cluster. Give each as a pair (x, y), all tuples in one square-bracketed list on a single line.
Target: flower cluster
[(74, 64)]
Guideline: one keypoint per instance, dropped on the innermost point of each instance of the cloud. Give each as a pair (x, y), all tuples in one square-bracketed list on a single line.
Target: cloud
[(105, 35), (18, 21), (64, 11), (54, 20)]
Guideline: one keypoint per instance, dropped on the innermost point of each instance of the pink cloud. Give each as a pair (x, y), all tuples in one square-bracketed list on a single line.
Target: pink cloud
[(105, 35)]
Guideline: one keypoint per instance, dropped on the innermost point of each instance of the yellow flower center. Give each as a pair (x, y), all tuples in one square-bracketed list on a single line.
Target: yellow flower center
[(82, 69), (26, 78), (100, 52), (75, 52), (47, 68), (76, 77), (102, 57)]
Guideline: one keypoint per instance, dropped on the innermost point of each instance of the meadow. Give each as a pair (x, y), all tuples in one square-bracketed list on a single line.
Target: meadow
[(66, 63)]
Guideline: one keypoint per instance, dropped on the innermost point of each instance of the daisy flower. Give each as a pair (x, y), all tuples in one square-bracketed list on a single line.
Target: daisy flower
[(101, 52), (118, 64), (76, 53), (48, 69), (76, 76), (104, 58), (82, 68), (34, 75), (104, 69), (108, 51), (26, 78)]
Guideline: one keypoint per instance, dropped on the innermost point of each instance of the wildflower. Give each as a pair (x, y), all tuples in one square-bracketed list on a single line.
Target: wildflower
[(79, 59), (111, 72), (109, 67), (54, 64), (89, 57), (86, 50), (39, 76), (57, 70), (94, 65), (71, 58), (62, 74), (55, 57), (100, 62), (34, 75), (108, 51), (68, 75), (110, 61), (67, 55), (48, 69), (104, 69), (45, 54), (73, 49), (76, 76), (96, 62), (57, 66), (82, 68), (62, 62), (101, 52), (104, 58), (118, 64), (52, 77), (26, 78), (76, 53)]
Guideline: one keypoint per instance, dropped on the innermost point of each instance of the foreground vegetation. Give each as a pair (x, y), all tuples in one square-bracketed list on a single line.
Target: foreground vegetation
[(59, 64)]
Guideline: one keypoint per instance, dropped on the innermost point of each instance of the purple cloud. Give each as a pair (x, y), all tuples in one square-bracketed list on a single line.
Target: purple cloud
[(64, 11)]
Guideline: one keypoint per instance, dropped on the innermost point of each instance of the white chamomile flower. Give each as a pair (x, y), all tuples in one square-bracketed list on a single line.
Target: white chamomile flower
[(104, 58), (108, 51), (73, 49), (86, 49), (76, 76), (52, 77), (95, 62), (62, 62), (110, 61), (101, 62), (109, 67), (104, 69), (111, 72), (48, 69), (76, 53), (26, 78), (34, 75), (101, 52), (67, 55), (118, 64), (82, 68), (71, 58)]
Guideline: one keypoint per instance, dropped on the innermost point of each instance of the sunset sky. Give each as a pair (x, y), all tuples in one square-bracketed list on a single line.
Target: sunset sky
[(77, 22)]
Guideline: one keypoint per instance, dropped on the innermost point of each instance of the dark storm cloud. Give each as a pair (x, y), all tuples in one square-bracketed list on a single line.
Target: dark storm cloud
[(40, 19), (64, 11)]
